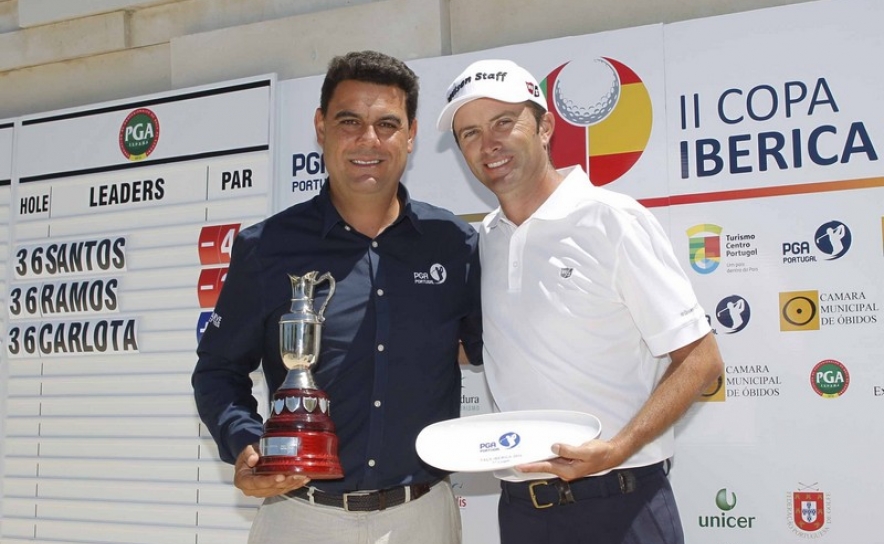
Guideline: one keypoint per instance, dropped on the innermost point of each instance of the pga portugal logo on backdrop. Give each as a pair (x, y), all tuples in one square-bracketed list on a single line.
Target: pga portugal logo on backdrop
[(139, 134)]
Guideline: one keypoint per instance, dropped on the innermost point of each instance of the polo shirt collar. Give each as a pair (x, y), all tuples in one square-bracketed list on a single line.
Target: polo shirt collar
[(331, 217), (493, 218), (559, 203), (564, 199)]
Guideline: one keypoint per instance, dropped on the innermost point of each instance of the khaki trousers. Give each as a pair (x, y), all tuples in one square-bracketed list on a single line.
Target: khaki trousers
[(432, 519)]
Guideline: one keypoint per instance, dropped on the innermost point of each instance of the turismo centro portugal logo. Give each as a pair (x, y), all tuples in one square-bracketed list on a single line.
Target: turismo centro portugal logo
[(603, 116), (139, 134), (704, 243)]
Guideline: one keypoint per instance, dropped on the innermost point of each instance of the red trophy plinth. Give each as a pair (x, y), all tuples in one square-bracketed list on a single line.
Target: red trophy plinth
[(299, 436)]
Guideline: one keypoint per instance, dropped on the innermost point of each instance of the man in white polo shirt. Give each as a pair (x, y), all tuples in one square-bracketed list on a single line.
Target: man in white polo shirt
[(584, 308)]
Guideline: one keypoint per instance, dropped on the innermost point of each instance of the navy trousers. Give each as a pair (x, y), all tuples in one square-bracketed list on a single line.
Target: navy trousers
[(630, 506)]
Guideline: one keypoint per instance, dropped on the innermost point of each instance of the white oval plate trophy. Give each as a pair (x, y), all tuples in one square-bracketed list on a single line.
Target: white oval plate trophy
[(502, 440)]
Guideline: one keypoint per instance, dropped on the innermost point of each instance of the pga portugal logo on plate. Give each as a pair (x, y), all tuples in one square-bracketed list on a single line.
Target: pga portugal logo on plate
[(507, 441), (139, 134)]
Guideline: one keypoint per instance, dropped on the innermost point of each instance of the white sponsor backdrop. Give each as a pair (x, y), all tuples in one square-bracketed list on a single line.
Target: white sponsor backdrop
[(789, 130), (754, 137)]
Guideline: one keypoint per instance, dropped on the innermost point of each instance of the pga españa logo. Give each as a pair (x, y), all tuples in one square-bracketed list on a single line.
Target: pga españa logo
[(603, 116), (139, 134)]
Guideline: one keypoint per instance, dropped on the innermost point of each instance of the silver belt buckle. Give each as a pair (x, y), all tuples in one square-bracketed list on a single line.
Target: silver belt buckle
[(346, 496)]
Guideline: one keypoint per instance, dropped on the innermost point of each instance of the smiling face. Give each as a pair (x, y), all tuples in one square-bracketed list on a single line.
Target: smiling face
[(504, 145), (366, 138)]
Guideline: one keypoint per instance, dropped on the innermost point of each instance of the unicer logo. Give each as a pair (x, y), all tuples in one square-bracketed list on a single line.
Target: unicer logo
[(722, 502), (725, 518)]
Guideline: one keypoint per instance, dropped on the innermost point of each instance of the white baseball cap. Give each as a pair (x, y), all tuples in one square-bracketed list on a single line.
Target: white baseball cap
[(502, 80)]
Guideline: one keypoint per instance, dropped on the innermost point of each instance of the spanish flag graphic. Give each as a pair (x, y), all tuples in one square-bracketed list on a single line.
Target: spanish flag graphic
[(607, 133)]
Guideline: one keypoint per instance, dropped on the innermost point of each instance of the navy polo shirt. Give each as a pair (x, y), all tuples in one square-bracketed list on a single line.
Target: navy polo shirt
[(389, 341)]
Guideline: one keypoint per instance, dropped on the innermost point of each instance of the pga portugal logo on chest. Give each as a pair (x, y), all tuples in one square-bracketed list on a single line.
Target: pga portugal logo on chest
[(435, 276)]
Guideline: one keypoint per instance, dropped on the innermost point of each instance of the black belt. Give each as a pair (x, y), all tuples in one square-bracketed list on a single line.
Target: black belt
[(364, 501), (557, 492)]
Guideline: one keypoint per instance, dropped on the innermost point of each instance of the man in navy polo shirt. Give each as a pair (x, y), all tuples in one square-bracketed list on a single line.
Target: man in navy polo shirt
[(407, 292)]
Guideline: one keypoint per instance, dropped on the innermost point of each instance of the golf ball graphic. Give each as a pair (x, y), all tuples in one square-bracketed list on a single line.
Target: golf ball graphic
[(586, 93), (603, 115)]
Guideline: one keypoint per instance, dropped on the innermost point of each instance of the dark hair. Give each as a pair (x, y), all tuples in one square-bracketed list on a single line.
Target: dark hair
[(371, 67), (538, 112)]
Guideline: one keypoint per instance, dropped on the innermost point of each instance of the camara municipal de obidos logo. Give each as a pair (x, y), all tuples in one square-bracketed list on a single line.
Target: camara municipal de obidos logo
[(811, 309), (139, 134), (603, 116)]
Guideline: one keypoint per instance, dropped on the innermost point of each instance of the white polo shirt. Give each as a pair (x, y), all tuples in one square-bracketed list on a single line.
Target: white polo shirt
[(581, 305)]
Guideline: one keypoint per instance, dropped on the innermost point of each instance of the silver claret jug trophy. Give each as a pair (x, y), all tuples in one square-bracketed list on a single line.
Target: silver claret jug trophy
[(299, 436)]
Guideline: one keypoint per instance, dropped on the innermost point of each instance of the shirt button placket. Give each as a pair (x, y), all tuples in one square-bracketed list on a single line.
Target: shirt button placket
[(382, 339)]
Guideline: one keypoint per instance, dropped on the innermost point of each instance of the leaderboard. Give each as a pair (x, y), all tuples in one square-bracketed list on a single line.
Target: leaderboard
[(121, 219), (68, 293)]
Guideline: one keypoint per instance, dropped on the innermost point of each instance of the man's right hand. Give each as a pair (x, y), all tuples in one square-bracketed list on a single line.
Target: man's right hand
[(259, 485)]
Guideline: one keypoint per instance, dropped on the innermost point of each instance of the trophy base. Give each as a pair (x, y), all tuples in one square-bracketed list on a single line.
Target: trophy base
[(311, 454), (314, 471)]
